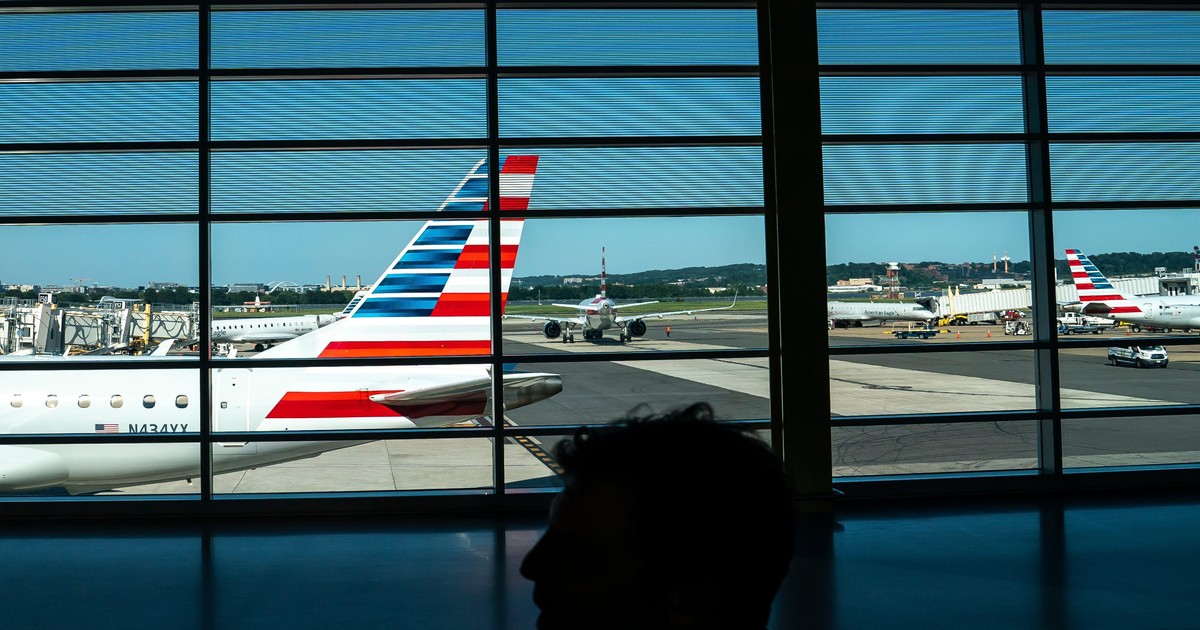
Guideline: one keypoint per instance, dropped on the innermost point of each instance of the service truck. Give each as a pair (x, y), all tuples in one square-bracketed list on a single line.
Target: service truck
[(1138, 356), (1076, 323)]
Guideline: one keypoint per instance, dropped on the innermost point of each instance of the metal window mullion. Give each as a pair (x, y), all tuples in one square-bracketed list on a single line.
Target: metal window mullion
[(495, 280), (1041, 232), (204, 199)]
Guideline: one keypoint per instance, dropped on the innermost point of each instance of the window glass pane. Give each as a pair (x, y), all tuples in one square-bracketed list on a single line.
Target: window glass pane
[(887, 280), (565, 264), (353, 38), (386, 181), (348, 109), (44, 184), (1132, 440), (1129, 104), (599, 106), (626, 36), (602, 391), (117, 111), (857, 36), (1125, 276), (911, 449), (647, 177), (946, 173), (405, 396), (1134, 37), (344, 466), (925, 383), (105, 469), (962, 104), (1131, 387), (39, 42), (66, 305), (1125, 171), (425, 287)]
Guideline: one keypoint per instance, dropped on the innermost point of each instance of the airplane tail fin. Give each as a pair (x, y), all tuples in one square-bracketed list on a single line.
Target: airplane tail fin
[(433, 299), (603, 275), (1096, 293)]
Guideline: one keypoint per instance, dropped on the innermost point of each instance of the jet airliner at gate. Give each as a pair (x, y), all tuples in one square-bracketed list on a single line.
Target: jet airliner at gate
[(432, 300)]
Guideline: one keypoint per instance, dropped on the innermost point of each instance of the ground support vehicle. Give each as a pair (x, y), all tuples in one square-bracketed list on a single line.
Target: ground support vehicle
[(1138, 356), (1078, 329), (922, 332), (1016, 327)]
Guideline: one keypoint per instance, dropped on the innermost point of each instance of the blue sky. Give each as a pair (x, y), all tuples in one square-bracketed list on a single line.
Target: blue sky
[(960, 237), (305, 253)]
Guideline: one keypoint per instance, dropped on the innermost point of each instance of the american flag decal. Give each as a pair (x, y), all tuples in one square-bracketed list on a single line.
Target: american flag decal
[(107, 428)]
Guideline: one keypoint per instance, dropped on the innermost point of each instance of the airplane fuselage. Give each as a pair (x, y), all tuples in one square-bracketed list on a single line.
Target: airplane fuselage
[(266, 329), (842, 313), (1176, 311), (167, 401)]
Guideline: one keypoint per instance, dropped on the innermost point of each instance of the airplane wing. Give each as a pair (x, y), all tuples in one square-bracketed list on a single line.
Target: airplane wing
[(520, 389), (562, 321), (163, 348), (628, 318)]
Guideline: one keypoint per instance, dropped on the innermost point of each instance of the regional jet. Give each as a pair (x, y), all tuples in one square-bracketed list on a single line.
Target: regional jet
[(433, 299), (1098, 296), (853, 314), (598, 314), (265, 332)]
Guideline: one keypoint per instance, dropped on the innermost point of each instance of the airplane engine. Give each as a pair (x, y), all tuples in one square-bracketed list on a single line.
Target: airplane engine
[(552, 330), (636, 328)]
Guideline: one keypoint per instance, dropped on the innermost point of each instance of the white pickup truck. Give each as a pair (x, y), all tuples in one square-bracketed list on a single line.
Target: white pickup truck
[(1071, 322), (1139, 356)]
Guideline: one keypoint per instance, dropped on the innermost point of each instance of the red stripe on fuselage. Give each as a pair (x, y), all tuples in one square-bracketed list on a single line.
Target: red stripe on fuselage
[(1106, 297), (405, 348), (331, 405)]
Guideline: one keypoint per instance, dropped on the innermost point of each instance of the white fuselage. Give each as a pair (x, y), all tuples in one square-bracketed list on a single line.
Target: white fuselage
[(598, 313), (266, 329), (1172, 311), (878, 311), (159, 400)]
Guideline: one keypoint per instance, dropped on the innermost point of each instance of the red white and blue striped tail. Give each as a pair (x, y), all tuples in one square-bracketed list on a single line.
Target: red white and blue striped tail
[(433, 299), (1096, 293)]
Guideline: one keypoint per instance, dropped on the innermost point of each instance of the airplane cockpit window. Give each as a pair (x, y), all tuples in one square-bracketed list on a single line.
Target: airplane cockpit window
[(148, 401), (181, 401), (16, 401), (85, 401), (116, 402), (52, 400)]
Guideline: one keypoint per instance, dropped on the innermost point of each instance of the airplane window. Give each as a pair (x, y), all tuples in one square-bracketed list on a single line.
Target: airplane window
[(116, 402), (16, 400), (148, 401), (181, 401), (52, 401), (85, 401)]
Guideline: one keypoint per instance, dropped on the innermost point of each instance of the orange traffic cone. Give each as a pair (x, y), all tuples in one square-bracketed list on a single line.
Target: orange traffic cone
[(958, 335), (989, 334)]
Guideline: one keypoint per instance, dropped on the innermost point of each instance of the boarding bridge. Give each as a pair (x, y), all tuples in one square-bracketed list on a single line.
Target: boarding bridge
[(27, 328), (1022, 298)]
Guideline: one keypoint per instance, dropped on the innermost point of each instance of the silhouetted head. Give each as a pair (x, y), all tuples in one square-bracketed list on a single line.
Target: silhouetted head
[(666, 521)]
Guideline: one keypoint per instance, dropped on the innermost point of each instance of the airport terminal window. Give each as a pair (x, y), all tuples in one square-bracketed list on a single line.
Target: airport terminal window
[(579, 160), (971, 156)]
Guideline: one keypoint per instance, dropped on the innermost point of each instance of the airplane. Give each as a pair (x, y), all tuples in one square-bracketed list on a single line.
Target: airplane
[(265, 332), (599, 314), (853, 314), (433, 299), (1099, 297)]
